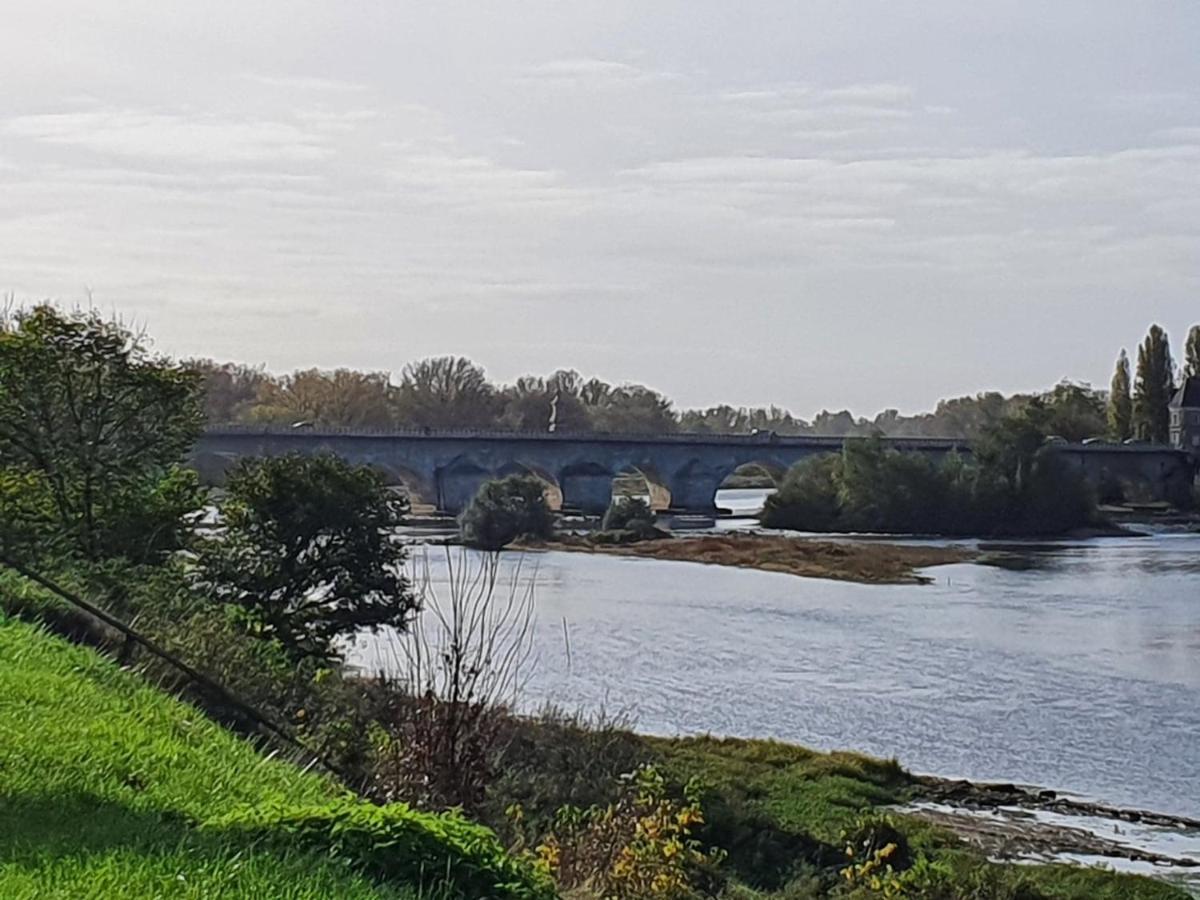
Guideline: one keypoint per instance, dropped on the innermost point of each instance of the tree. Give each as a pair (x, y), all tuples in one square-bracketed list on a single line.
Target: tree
[(446, 392), (230, 389), (97, 427), (1191, 353), (310, 552), (1074, 411), (342, 398), (532, 403), (634, 409), (1120, 401), (505, 509), (1153, 388)]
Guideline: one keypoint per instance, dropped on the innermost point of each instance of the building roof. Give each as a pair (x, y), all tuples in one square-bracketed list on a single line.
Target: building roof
[(1188, 396)]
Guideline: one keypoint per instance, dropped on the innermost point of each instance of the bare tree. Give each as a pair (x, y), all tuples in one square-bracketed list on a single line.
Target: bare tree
[(457, 675)]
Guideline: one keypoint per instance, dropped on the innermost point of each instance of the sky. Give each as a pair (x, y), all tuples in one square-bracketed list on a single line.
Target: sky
[(821, 204)]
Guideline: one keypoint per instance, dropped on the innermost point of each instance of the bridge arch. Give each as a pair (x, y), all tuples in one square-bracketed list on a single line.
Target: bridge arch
[(458, 481), (642, 479), (420, 489), (586, 487)]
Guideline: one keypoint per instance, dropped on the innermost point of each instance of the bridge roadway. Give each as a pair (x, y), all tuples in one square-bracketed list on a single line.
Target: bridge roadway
[(683, 471)]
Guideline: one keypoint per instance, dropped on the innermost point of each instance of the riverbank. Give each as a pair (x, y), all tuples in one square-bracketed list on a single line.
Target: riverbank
[(864, 562)]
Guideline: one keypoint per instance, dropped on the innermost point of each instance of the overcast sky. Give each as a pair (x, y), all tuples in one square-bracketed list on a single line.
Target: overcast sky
[(862, 203)]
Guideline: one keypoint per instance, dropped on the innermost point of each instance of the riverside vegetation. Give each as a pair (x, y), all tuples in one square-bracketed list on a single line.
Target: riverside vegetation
[(194, 733)]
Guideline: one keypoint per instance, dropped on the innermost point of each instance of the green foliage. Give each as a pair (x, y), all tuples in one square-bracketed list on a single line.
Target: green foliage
[(95, 426), (623, 513), (395, 844), (1014, 484), (505, 509), (1153, 387), (1120, 401), (309, 552), (808, 498)]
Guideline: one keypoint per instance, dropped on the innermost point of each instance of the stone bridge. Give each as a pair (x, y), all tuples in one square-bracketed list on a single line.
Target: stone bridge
[(682, 471), (445, 469)]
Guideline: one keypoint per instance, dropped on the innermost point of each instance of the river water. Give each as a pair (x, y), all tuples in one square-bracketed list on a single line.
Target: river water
[(1075, 666)]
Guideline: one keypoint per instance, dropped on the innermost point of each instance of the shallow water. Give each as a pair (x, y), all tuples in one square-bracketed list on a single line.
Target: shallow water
[(1078, 669)]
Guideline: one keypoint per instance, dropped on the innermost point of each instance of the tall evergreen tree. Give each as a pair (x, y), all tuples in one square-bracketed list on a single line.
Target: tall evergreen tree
[(1191, 353), (1153, 388), (1120, 401)]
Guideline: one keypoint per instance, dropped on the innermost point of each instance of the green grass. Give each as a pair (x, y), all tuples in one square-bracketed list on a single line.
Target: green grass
[(106, 783), (780, 811)]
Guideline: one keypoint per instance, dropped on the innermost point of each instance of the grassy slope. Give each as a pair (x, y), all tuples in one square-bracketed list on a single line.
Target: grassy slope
[(769, 802), (103, 780)]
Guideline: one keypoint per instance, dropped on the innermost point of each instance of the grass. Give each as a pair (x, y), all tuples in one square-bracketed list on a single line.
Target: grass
[(781, 811), (106, 785)]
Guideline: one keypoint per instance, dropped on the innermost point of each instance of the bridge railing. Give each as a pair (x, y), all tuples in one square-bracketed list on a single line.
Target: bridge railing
[(765, 439)]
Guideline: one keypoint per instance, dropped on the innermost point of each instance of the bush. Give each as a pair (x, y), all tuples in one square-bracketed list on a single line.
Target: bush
[(394, 843), (808, 498), (1014, 484), (309, 552), (639, 848), (506, 509), (624, 513)]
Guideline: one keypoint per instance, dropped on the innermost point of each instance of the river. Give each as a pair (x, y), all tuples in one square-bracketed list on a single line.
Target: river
[(1076, 666)]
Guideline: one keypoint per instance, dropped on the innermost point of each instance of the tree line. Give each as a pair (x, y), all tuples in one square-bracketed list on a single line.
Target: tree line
[(455, 393), (1138, 402)]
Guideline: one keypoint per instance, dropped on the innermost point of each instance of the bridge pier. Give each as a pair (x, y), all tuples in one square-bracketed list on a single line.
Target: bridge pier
[(586, 488), (695, 493)]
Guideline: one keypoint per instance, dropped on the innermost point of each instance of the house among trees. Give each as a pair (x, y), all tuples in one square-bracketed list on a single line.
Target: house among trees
[(1185, 416)]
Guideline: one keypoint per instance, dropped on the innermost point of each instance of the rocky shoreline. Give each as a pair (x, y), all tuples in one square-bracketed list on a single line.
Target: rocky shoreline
[(1019, 823)]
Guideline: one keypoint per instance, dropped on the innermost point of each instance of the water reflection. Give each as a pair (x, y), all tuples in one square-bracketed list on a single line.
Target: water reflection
[(1081, 674)]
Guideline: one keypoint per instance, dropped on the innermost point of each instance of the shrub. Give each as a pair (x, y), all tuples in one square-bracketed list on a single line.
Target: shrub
[(395, 843), (639, 848), (506, 509), (808, 498), (624, 513)]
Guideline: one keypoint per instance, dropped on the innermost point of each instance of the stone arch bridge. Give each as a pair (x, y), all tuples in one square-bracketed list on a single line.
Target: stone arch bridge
[(444, 469)]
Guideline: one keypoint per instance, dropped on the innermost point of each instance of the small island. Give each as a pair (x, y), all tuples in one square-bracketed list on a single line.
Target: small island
[(865, 562)]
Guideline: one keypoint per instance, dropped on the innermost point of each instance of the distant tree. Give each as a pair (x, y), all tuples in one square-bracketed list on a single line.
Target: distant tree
[(840, 424), (309, 553), (531, 402), (1120, 401), (1074, 411), (1191, 353), (230, 389), (341, 398), (505, 509), (93, 429), (446, 392), (1153, 387), (741, 420), (634, 409)]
